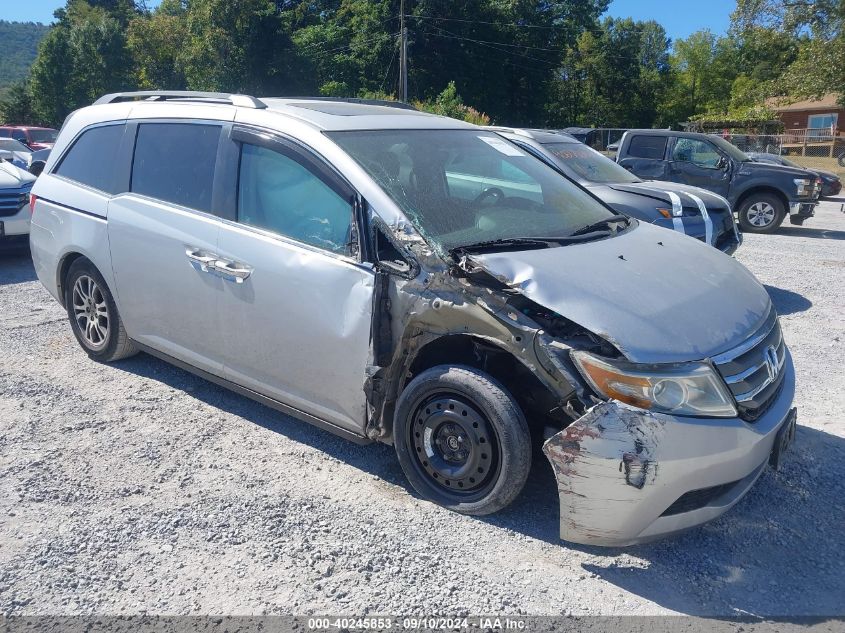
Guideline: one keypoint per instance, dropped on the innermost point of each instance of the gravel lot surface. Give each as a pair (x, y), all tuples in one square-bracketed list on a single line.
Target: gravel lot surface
[(138, 488)]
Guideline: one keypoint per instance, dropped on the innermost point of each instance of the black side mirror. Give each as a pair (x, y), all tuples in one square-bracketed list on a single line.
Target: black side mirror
[(722, 163)]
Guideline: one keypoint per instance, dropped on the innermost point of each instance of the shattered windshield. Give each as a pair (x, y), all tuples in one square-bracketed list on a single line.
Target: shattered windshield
[(730, 149), (585, 163), (462, 187)]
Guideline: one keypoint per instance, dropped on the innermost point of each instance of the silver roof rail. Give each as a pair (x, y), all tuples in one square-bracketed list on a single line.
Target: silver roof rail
[(387, 103), (244, 101)]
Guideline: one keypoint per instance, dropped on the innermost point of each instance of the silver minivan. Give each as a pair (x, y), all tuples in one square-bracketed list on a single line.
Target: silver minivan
[(394, 276)]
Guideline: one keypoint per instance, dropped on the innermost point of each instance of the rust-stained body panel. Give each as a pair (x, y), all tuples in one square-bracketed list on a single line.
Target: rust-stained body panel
[(619, 469)]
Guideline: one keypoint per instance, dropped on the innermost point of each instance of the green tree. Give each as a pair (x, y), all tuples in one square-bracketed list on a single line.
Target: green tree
[(615, 76), (816, 28), (348, 49), (692, 59), (155, 42), (491, 53), (449, 103), (17, 106), (239, 46), (82, 57)]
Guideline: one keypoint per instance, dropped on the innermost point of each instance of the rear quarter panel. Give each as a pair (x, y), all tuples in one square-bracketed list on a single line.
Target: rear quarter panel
[(68, 219)]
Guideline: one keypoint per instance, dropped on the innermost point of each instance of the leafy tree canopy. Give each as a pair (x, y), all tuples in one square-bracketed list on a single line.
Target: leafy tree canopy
[(552, 63)]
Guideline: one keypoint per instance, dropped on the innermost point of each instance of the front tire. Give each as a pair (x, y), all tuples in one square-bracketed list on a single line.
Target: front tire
[(93, 314), (761, 213), (462, 440)]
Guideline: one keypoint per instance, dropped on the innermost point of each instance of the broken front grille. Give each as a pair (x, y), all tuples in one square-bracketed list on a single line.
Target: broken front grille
[(754, 369)]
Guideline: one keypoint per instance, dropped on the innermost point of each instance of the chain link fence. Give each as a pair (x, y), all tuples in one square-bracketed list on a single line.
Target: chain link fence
[(811, 148)]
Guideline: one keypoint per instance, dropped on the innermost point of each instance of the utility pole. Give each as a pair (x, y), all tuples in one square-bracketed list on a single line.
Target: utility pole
[(403, 54)]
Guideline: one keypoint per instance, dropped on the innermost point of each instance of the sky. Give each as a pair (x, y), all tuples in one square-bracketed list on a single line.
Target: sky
[(684, 16), (679, 18)]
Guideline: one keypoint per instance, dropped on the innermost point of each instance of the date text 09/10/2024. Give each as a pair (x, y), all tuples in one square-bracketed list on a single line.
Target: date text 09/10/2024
[(418, 623)]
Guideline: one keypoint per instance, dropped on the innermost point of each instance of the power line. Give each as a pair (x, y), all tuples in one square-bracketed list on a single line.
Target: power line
[(574, 29), (495, 46), (389, 66), (491, 45), (313, 46), (381, 36), (478, 55)]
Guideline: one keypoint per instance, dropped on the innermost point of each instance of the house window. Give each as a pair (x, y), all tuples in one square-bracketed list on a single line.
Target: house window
[(822, 124)]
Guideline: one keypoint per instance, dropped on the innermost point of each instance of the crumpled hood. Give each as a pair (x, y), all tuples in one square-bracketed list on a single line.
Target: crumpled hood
[(12, 177), (679, 301), (658, 190)]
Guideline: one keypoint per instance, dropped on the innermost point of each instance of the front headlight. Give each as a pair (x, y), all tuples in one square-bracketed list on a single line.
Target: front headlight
[(804, 186), (680, 389)]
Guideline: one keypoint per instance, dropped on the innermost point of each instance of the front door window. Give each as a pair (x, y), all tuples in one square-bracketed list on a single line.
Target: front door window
[(279, 194), (700, 153)]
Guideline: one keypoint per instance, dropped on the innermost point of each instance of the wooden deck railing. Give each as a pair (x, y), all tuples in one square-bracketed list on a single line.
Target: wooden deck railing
[(811, 135), (823, 141)]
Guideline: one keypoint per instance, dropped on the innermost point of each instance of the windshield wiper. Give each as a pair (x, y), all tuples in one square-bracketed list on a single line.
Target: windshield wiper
[(524, 243), (518, 243), (601, 224)]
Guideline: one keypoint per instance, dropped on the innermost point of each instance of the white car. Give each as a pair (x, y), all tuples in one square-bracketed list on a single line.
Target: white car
[(15, 184), (21, 155)]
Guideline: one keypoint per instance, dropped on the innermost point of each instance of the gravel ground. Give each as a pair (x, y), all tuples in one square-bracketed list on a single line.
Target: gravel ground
[(138, 488)]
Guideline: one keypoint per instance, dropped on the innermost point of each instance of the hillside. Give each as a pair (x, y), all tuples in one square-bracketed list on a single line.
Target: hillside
[(18, 47)]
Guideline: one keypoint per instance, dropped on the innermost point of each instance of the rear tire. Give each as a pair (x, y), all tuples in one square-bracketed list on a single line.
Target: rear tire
[(761, 213), (93, 314), (462, 440)]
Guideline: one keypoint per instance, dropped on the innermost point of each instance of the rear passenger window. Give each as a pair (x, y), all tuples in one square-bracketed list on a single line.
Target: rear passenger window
[(648, 147), (174, 162), (92, 159)]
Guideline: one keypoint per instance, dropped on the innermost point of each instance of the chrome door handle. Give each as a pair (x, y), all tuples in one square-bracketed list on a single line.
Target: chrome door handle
[(237, 272), (205, 262)]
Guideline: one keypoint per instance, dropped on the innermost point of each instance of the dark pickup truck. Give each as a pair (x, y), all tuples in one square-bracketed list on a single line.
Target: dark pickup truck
[(761, 194)]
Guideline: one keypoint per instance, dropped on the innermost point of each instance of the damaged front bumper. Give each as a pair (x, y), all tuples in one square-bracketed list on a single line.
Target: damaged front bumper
[(628, 476), (802, 209)]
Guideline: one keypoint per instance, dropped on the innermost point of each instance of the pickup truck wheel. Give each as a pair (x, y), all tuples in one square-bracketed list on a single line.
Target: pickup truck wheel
[(761, 213), (462, 440), (93, 314)]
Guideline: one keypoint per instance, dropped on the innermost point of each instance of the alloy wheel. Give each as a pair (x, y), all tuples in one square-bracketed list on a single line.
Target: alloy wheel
[(91, 312), (761, 214)]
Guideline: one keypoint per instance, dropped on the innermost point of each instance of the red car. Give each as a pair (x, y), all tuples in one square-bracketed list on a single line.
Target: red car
[(35, 137)]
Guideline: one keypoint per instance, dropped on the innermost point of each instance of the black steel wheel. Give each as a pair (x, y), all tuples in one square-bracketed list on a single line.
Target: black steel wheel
[(454, 444), (462, 440)]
